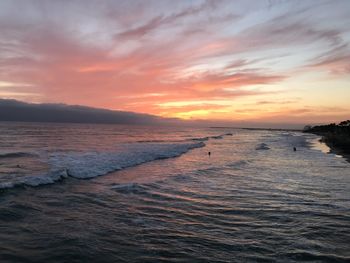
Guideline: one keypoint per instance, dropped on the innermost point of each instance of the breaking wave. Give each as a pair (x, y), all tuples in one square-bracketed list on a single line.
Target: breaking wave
[(84, 165), (92, 164), (49, 178), (214, 137)]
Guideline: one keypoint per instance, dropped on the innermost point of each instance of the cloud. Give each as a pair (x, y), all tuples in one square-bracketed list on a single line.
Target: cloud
[(281, 102), (117, 54), (162, 20), (335, 61), (5, 84)]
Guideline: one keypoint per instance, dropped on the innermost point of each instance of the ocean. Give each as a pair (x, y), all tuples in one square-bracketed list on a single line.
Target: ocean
[(111, 193)]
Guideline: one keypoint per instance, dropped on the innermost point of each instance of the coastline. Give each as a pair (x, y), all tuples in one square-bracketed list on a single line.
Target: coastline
[(335, 136), (334, 148)]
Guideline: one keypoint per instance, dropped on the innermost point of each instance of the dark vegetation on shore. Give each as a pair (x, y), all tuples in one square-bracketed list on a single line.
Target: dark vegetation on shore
[(336, 136)]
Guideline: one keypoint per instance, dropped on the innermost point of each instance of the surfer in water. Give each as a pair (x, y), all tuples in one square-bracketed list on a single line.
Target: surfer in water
[(294, 149)]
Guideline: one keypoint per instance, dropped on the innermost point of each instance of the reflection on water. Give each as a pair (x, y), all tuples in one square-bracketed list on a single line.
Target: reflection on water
[(321, 146), (238, 205)]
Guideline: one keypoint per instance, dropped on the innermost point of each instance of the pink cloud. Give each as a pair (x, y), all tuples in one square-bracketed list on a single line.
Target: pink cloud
[(191, 52)]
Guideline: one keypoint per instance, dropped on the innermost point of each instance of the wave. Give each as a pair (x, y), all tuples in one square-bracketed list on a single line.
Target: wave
[(128, 188), (201, 139), (238, 164), (262, 146), (92, 164), (156, 141), (15, 154), (49, 178), (215, 137), (84, 165)]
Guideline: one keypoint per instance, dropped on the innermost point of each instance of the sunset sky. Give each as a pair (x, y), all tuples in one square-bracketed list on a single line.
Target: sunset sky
[(272, 61)]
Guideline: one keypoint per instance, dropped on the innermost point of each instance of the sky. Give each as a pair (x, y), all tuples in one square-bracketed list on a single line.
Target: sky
[(273, 61)]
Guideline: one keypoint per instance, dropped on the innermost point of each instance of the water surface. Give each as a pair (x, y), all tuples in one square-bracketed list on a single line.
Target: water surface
[(109, 193)]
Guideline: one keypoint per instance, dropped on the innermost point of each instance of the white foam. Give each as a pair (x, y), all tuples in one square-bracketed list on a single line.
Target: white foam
[(92, 164), (215, 137), (49, 178)]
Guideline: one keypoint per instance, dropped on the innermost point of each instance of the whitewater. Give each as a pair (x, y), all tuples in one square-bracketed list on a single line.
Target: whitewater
[(85, 192)]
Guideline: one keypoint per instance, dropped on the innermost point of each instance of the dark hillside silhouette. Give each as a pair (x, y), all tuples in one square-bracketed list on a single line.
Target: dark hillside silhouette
[(336, 136), (13, 110)]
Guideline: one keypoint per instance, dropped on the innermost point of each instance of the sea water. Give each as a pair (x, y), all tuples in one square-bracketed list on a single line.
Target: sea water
[(111, 193)]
